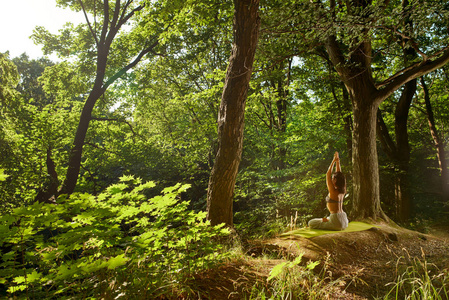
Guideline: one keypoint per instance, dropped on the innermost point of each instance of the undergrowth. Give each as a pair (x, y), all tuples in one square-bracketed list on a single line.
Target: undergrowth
[(295, 280), (117, 245), (417, 279)]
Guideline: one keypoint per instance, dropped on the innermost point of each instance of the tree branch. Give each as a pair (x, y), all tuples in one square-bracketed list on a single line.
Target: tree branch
[(123, 18), (104, 30), (92, 31), (336, 56), (115, 18), (129, 66), (408, 38), (407, 74)]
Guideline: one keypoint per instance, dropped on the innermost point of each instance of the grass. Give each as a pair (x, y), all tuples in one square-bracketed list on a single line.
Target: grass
[(296, 280), (417, 280)]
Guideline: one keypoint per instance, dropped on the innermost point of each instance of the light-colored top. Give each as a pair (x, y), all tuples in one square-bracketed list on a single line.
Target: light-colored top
[(335, 206)]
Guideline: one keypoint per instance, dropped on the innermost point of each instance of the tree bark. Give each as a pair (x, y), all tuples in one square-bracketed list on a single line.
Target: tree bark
[(74, 164), (231, 113), (348, 122), (366, 198), (47, 192)]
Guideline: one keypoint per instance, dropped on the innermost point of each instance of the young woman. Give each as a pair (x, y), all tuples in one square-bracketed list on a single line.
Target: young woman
[(336, 184)]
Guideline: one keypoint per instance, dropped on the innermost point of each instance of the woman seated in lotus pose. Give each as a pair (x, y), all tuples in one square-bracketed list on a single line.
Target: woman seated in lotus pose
[(336, 184)]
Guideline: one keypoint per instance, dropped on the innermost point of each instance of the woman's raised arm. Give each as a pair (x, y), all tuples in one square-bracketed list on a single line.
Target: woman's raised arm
[(337, 167), (330, 185)]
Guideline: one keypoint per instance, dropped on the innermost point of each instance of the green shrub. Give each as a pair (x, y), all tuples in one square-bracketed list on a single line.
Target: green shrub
[(119, 244)]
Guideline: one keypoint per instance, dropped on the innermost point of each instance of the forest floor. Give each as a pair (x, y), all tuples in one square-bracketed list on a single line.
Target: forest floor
[(360, 265)]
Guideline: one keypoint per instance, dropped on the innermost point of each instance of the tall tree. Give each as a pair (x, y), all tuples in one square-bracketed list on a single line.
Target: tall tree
[(231, 112), (353, 59), (104, 32), (359, 37)]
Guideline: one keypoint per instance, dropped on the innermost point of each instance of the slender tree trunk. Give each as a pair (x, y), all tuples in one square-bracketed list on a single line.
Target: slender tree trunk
[(399, 151), (281, 106), (47, 192), (402, 157), (97, 91), (439, 143), (231, 114), (279, 150), (402, 192), (347, 120), (77, 149)]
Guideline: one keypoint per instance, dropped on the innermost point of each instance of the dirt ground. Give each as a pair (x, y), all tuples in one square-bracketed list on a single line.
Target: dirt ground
[(364, 262)]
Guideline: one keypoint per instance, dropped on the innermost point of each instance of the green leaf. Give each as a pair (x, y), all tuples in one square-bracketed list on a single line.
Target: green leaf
[(34, 276), (311, 265), (3, 176), (117, 261), (13, 289), (171, 189), (276, 271), (117, 188), (85, 218), (19, 279)]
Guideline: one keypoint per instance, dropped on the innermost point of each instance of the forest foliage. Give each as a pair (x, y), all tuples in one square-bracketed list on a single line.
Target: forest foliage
[(153, 132), (115, 244)]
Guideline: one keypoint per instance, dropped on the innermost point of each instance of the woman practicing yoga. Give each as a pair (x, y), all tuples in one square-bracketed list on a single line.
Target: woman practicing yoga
[(336, 184)]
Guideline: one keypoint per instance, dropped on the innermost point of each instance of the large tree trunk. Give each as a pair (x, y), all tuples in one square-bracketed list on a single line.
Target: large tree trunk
[(364, 159), (231, 114), (348, 122), (356, 75)]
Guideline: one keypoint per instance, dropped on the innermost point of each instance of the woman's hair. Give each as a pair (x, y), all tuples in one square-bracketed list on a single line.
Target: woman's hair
[(340, 182)]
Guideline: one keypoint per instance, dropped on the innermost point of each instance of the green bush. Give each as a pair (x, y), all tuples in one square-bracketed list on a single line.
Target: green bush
[(119, 244)]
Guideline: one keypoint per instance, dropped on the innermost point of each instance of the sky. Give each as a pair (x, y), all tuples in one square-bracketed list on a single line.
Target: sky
[(19, 17)]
